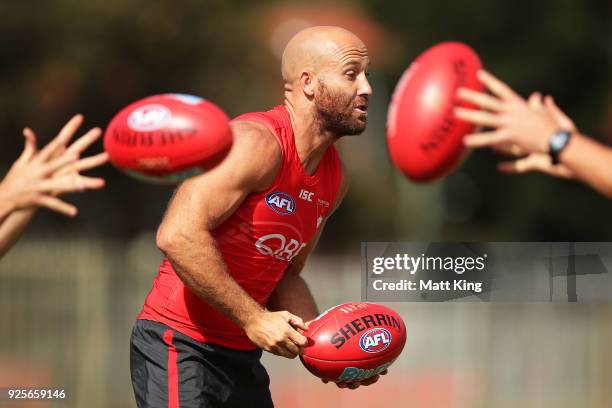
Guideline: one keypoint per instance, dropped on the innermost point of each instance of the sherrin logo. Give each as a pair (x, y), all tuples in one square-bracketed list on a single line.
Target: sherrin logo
[(281, 203), (149, 117), (375, 340)]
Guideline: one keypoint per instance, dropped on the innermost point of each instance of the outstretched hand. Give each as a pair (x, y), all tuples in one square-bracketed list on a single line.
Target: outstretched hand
[(38, 177), (542, 162), (519, 128)]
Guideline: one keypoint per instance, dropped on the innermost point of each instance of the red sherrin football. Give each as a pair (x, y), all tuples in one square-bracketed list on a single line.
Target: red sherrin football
[(424, 138), (167, 138), (353, 341)]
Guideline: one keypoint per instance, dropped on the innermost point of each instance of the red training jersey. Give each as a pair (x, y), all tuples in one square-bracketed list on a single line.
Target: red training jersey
[(256, 242)]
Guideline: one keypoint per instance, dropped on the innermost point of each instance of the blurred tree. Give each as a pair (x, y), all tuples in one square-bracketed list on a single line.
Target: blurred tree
[(60, 57)]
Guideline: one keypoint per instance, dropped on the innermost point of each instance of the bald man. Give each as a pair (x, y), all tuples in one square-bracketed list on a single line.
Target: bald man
[(237, 237)]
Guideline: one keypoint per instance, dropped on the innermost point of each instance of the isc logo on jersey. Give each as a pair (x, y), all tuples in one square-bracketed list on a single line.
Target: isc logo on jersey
[(281, 203), (375, 340)]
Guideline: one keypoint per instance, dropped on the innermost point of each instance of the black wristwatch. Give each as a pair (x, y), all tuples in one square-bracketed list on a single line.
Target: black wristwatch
[(557, 142)]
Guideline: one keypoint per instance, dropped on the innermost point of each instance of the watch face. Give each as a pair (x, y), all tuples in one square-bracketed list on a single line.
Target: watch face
[(558, 140)]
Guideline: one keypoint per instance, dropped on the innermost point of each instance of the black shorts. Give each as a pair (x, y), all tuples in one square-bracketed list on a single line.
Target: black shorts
[(171, 370)]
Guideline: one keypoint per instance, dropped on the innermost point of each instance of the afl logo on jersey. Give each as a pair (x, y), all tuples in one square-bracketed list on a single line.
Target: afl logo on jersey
[(281, 203)]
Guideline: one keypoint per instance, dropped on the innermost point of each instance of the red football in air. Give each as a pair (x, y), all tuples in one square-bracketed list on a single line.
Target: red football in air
[(424, 138), (353, 341), (167, 138)]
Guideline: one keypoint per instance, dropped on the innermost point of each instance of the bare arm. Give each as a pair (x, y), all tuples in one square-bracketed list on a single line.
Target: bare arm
[(203, 203), (6, 207), (292, 292), (12, 228), (591, 162)]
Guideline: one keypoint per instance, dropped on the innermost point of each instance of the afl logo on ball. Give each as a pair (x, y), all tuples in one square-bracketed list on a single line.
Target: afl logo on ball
[(375, 340), (281, 203), (149, 117)]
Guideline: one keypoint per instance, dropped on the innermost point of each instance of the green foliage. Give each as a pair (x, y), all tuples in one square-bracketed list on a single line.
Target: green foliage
[(61, 57)]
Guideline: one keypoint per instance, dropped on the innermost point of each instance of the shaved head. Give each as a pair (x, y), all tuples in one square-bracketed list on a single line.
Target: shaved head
[(324, 69), (315, 48)]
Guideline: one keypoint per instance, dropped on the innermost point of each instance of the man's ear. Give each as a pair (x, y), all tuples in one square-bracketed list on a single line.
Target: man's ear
[(307, 81)]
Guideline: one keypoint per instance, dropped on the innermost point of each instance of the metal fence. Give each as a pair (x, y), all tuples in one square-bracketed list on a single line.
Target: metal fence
[(67, 306)]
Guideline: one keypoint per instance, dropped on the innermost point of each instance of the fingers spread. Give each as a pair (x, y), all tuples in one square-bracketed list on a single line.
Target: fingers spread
[(30, 148), (483, 139), (478, 117), (62, 138), (496, 86), (59, 162), (82, 143), (70, 184), (90, 162), (57, 205), (481, 99), (91, 183)]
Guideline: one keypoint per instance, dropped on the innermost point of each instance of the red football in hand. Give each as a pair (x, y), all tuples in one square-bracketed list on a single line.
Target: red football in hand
[(353, 341), (424, 138), (167, 138)]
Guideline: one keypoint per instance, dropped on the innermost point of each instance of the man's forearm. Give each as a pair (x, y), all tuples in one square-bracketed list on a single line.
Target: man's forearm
[(292, 294), (200, 266), (591, 162)]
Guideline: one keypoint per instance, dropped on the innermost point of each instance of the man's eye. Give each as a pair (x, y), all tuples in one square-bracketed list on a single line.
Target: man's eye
[(351, 74)]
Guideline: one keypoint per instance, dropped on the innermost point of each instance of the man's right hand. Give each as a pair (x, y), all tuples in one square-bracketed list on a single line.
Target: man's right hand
[(275, 332)]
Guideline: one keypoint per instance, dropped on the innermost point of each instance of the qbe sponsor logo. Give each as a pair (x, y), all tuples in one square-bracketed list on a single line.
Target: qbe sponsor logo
[(279, 247), (149, 117), (281, 203), (375, 340)]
